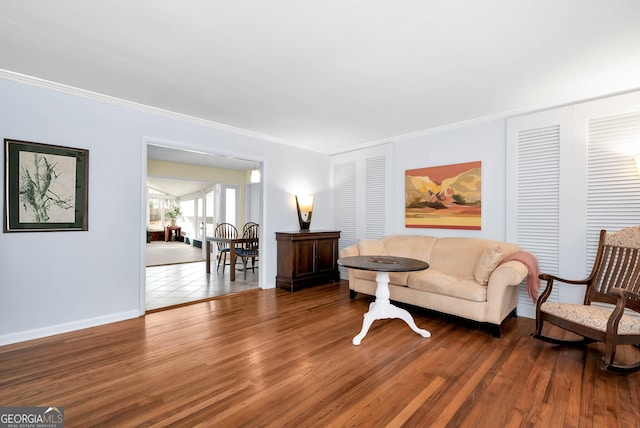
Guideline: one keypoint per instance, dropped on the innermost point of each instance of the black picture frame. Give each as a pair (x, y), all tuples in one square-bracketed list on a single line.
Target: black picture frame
[(46, 187)]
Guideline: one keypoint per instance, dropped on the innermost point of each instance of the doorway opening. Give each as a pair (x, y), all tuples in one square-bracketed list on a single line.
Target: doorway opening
[(204, 190)]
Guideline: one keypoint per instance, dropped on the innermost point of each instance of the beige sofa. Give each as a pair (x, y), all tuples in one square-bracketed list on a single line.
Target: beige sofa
[(465, 277)]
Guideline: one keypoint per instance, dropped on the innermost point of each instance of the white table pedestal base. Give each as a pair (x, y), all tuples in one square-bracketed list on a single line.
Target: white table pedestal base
[(383, 309)]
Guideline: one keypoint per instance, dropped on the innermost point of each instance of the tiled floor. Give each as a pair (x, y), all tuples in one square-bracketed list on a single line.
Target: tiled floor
[(180, 283)]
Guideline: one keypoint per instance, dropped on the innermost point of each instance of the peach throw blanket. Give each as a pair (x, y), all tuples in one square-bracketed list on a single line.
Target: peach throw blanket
[(533, 280)]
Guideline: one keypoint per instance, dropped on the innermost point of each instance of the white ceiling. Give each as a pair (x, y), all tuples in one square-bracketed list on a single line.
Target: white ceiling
[(182, 187), (169, 154), (329, 75), (176, 187)]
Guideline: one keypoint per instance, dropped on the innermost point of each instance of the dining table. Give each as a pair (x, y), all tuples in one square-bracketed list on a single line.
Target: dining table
[(233, 244)]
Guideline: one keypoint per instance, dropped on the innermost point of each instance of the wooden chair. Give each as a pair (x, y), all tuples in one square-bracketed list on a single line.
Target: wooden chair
[(248, 226), (249, 250), (614, 287), (224, 230)]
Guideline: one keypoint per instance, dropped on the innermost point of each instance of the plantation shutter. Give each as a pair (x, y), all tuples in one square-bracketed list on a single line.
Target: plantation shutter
[(537, 202), (375, 197), (613, 184), (360, 184), (570, 173), (344, 204)]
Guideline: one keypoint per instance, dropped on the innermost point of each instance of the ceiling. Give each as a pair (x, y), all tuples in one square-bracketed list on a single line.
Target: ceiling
[(169, 154), (176, 187), (181, 187), (330, 75)]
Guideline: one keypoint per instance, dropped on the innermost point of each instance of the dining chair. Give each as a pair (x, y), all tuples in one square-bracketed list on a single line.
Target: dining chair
[(249, 250), (248, 225), (228, 231)]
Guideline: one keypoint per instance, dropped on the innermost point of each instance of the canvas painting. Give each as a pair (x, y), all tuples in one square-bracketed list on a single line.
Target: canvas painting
[(447, 196)]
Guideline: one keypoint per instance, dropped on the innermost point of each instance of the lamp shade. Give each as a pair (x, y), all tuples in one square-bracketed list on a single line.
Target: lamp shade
[(304, 205)]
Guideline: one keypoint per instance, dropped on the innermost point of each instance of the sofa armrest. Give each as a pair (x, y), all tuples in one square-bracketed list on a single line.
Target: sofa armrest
[(511, 273), (502, 289), (350, 251)]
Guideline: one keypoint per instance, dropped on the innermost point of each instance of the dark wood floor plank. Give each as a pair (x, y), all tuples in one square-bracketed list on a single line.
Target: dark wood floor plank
[(275, 359)]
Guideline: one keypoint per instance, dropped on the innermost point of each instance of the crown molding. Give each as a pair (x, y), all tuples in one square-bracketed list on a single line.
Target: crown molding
[(46, 84), (119, 102), (424, 132), (479, 120)]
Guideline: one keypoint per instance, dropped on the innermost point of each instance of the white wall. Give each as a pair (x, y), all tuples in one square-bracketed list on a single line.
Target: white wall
[(53, 282), (483, 142)]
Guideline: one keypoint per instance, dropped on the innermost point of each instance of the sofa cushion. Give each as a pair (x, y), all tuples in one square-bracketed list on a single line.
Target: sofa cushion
[(395, 278), (486, 264), (435, 281), (458, 256)]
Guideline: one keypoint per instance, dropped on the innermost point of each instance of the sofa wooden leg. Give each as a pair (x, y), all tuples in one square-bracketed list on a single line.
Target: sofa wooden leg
[(352, 294), (495, 330)]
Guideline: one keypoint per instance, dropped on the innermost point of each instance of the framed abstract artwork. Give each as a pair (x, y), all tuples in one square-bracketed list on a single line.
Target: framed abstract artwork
[(447, 196), (46, 187)]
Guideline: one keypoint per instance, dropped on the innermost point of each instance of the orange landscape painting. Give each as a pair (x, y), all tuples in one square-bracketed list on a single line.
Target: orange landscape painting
[(447, 196)]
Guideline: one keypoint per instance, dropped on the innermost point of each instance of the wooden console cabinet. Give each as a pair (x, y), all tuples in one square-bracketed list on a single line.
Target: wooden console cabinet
[(307, 258)]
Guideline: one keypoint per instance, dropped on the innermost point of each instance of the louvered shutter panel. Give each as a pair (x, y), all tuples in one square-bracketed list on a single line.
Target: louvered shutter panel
[(613, 184), (538, 201), (375, 184), (344, 204), (361, 183), (598, 186)]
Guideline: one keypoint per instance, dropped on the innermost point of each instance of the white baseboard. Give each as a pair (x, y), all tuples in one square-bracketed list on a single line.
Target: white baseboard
[(38, 333)]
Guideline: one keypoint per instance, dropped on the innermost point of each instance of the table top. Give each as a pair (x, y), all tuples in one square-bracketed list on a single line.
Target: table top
[(231, 240), (383, 263)]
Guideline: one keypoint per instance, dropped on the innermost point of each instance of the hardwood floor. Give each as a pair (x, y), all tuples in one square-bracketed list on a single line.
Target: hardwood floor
[(273, 358)]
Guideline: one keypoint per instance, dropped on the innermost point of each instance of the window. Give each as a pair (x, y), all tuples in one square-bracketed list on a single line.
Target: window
[(155, 214), (188, 220), (159, 203)]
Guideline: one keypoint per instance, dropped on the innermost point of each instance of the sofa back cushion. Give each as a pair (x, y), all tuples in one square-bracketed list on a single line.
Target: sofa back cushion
[(412, 246), (473, 258), (459, 256), (372, 247)]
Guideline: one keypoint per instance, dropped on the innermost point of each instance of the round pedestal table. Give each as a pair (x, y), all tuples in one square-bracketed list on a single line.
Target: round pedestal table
[(382, 307)]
